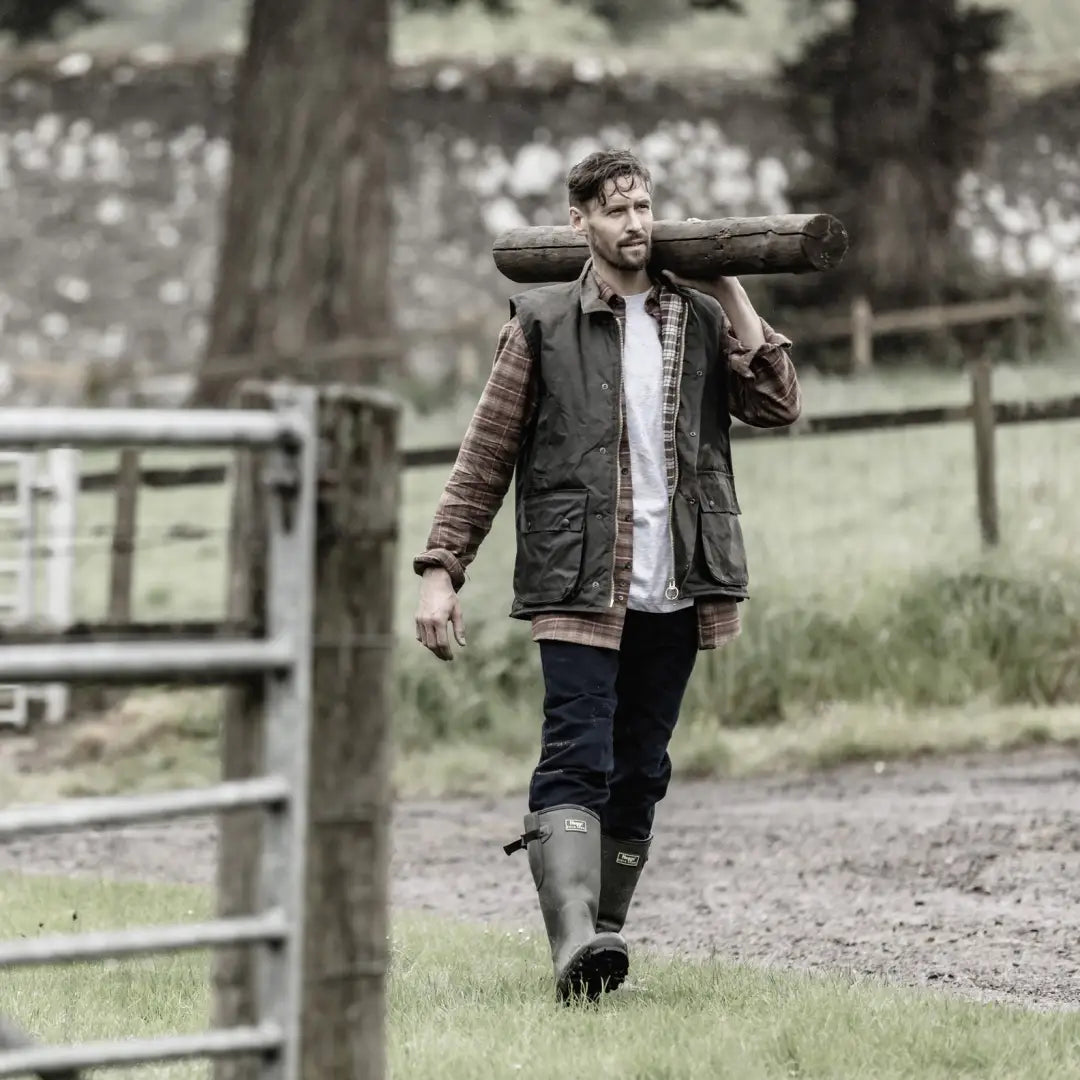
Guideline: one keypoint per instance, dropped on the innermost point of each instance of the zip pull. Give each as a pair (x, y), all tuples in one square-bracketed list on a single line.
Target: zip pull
[(672, 590)]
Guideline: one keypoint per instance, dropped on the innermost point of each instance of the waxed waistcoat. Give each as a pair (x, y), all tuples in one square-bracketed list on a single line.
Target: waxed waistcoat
[(567, 473)]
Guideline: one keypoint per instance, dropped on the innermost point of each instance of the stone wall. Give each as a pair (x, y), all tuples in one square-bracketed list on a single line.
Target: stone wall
[(112, 174)]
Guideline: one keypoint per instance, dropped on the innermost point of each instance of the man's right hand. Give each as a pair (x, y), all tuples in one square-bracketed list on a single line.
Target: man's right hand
[(439, 605)]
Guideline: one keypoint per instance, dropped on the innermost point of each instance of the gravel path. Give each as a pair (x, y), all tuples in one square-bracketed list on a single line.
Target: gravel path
[(963, 874)]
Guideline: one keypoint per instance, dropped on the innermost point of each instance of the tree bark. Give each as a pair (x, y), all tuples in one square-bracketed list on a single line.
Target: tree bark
[(306, 236), (302, 271), (784, 244)]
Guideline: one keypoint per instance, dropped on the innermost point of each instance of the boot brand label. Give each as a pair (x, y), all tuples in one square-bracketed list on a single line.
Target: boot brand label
[(576, 825), (624, 858)]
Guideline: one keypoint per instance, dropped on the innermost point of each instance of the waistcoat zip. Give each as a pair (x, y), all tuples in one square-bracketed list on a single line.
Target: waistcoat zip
[(672, 590)]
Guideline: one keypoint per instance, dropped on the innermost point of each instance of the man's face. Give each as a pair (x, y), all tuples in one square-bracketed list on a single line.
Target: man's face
[(618, 227)]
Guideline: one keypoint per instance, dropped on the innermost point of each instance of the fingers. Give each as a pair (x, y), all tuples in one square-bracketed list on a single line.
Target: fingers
[(431, 633), (459, 624)]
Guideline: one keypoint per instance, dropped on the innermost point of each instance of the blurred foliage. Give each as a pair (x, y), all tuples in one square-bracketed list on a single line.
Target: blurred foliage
[(628, 19), (31, 20)]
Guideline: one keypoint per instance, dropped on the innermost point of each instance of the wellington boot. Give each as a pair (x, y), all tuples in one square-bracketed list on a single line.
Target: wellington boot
[(621, 863), (563, 844)]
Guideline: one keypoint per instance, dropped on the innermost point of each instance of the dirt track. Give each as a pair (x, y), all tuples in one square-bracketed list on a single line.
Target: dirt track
[(964, 875)]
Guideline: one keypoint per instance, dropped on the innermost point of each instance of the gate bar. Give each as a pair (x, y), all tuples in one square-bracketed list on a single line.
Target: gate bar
[(113, 810), (266, 1038), (211, 660), (52, 427), (272, 928)]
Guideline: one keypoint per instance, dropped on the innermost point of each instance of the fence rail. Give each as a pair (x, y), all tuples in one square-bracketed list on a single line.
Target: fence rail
[(271, 928), (112, 810), (1005, 412), (266, 1038), (213, 660), (861, 324)]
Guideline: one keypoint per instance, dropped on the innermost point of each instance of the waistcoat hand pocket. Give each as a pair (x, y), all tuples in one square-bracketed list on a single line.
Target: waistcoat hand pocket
[(721, 530), (550, 545)]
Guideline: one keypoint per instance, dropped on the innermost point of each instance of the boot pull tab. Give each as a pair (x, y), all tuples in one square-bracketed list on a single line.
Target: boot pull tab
[(523, 841)]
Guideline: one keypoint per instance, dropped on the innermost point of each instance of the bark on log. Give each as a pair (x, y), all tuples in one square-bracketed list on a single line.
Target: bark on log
[(783, 244)]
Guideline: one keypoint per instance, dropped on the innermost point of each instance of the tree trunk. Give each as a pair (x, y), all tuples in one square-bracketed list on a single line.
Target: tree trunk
[(893, 107), (887, 132), (305, 247), (302, 272)]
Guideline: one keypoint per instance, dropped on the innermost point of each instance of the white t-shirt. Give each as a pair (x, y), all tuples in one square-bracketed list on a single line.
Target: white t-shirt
[(643, 388)]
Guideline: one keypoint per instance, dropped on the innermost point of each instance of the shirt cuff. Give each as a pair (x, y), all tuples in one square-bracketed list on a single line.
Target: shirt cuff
[(741, 356), (447, 560)]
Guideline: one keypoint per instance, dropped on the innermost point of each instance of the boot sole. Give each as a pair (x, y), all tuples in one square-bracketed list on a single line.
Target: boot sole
[(593, 971)]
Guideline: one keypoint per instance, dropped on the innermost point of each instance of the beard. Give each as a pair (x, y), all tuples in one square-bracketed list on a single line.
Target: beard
[(625, 257)]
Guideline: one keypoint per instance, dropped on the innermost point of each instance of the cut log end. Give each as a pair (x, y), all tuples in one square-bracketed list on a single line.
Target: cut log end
[(825, 242)]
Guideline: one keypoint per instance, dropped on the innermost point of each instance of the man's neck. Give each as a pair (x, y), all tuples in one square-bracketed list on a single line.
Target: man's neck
[(623, 282)]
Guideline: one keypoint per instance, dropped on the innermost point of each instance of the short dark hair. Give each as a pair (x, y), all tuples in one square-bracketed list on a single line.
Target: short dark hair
[(588, 178)]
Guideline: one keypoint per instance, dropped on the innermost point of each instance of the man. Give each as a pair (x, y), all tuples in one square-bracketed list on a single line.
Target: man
[(611, 398)]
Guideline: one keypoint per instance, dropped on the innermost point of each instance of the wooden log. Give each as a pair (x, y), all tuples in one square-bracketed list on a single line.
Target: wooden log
[(783, 244)]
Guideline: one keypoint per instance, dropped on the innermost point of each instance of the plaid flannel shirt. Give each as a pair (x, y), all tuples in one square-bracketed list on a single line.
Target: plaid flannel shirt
[(764, 392)]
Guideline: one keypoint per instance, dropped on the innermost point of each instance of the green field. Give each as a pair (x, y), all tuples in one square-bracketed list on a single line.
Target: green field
[(472, 1003), (877, 625)]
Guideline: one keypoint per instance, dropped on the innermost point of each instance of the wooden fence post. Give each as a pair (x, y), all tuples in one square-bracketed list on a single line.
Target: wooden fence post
[(347, 887), (862, 335), (982, 413), (1021, 339), (121, 571), (346, 948), (239, 837)]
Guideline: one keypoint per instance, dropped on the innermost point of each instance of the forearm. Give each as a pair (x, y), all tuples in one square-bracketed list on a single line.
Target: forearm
[(745, 322), (463, 517), (485, 462)]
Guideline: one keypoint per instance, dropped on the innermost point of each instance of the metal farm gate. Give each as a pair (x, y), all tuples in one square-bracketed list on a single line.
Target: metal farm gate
[(286, 432)]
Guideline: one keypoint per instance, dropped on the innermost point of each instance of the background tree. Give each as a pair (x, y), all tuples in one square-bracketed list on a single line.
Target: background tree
[(891, 97), (302, 273), (893, 102), (30, 20)]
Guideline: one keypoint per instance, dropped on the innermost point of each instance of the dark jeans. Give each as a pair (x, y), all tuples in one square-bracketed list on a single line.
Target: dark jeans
[(608, 719)]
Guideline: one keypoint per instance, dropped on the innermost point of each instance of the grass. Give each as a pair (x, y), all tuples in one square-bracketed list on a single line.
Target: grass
[(473, 1003), (877, 627)]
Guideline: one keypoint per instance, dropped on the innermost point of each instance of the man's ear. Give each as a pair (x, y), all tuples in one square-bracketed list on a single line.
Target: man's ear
[(577, 220)]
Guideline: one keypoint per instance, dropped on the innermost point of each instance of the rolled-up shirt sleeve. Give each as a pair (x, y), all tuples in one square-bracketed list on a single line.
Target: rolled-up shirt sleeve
[(764, 387), (486, 459)]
